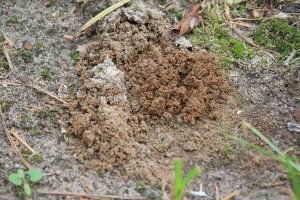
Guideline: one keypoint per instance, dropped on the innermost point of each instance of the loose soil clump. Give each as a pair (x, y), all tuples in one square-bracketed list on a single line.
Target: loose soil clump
[(134, 83)]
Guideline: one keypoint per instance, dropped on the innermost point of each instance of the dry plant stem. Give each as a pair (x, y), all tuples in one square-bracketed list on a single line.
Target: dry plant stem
[(51, 95), (248, 19), (232, 195), (13, 144), (91, 196), (18, 83), (14, 133), (8, 59), (217, 192), (291, 56), (242, 24), (9, 42)]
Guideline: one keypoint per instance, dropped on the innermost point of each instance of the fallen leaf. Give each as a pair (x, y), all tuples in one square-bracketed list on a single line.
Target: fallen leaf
[(190, 20), (27, 45)]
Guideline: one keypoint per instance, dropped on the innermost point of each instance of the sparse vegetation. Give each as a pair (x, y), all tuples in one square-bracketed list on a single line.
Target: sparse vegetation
[(72, 88), (13, 19), (180, 182), (173, 13), (4, 64), (38, 158), (214, 37), (140, 187), (74, 55), (278, 35), (40, 45), (35, 130), (24, 53), (2, 39), (6, 105), (20, 178), (45, 74), (291, 163), (51, 115)]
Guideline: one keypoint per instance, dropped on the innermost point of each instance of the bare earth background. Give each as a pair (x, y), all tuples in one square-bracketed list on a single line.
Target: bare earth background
[(132, 142)]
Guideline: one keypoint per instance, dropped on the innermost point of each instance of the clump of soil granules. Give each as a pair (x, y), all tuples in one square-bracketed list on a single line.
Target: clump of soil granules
[(135, 86)]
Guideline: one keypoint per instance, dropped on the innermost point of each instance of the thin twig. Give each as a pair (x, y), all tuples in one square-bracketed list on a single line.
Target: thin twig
[(232, 195), (94, 196), (243, 24), (291, 56), (9, 42), (8, 59), (217, 192), (248, 19), (14, 133), (51, 95), (12, 142), (296, 59), (18, 83)]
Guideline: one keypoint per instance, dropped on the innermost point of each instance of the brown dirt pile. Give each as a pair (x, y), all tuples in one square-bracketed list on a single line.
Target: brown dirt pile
[(135, 82)]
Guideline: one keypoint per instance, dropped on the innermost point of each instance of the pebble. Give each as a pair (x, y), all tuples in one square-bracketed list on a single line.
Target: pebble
[(51, 88)]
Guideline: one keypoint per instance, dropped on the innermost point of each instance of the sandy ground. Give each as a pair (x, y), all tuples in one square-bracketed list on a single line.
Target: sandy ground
[(264, 94)]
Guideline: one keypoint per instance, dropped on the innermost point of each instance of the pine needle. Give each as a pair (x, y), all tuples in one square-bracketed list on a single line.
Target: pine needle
[(101, 15)]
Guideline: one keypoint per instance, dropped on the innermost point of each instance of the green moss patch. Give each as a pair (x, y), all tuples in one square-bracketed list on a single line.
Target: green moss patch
[(214, 37), (277, 35)]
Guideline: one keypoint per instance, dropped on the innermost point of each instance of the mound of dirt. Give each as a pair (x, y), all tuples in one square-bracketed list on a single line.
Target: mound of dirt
[(133, 82)]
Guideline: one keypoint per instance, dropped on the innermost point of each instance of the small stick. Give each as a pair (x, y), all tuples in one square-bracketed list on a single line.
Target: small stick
[(51, 95), (217, 192), (232, 195), (9, 42), (248, 19), (12, 142), (291, 56), (23, 141), (93, 196), (242, 24), (8, 59), (273, 184), (18, 83), (296, 59)]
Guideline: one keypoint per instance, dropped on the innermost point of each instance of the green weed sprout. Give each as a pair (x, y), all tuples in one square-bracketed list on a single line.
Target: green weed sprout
[(290, 163), (19, 178), (180, 183)]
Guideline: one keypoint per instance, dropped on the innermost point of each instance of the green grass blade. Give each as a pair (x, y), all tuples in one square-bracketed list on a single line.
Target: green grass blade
[(178, 178), (273, 146), (103, 14), (264, 138), (254, 146), (294, 180), (191, 175)]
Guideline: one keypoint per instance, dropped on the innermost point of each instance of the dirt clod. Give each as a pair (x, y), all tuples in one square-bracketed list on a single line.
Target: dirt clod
[(133, 80)]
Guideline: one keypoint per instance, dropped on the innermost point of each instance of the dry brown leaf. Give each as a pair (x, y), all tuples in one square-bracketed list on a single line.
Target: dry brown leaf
[(190, 20)]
